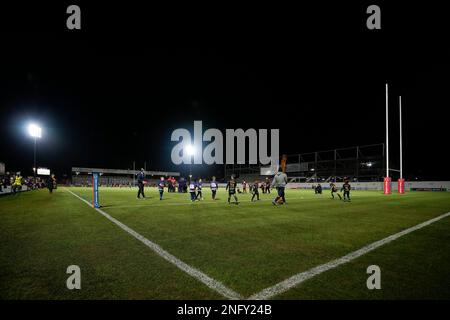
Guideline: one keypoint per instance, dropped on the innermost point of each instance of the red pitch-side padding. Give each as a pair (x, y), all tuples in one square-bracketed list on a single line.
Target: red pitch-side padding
[(387, 185), (401, 185)]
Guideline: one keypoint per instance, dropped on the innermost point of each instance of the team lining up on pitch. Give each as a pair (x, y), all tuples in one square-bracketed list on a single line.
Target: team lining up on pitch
[(278, 182)]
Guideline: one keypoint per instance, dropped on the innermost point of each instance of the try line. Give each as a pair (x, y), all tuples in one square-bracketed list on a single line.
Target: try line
[(278, 288), (193, 272)]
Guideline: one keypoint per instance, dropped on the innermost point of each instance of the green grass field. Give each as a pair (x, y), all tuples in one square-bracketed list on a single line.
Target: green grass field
[(247, 247)]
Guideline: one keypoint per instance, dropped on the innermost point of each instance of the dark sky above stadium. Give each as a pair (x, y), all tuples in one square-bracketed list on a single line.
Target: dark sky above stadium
[(114, 92)]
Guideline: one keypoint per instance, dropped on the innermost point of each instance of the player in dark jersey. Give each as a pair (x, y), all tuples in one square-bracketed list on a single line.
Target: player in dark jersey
[(318, 189), (263, 187), (267, 185), (192, 188), (161, 185), (141, 181), (214, 186), (231, 187), (199, 195), (334, 190), (346, 188), (255, 191)]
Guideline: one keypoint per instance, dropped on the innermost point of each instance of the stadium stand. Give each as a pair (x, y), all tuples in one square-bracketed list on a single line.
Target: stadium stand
[(115, 177)]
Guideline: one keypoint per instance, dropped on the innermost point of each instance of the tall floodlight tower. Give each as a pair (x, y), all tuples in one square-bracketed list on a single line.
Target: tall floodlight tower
[(190, 150), (401, 181), (35, 132), (387, 179)]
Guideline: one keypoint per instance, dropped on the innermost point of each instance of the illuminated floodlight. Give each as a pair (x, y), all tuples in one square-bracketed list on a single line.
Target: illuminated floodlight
[(369, 164), (34, 130), (190, 150)]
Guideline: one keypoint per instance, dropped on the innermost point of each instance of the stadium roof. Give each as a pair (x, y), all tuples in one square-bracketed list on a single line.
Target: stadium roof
[(123, 171)]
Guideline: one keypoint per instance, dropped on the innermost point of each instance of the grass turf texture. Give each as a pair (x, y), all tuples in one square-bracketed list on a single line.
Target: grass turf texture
[(247, 247)]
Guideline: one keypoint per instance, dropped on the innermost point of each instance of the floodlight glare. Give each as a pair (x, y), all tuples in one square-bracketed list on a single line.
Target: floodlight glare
[(190, 150), (34, 131)]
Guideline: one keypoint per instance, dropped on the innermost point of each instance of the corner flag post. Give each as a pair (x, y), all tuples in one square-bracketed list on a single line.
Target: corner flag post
[(401, 181), (387, 179), (95, 200)]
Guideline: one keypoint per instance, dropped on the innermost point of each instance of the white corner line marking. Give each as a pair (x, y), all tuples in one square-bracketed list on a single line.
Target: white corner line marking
[(193, 272), (303, 276)]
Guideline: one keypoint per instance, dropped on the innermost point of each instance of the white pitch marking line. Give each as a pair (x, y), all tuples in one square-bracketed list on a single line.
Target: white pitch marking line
[(193, 272), (303, 276)]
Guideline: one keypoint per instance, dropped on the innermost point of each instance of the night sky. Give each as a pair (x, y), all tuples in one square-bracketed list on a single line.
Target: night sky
[(113, 93)]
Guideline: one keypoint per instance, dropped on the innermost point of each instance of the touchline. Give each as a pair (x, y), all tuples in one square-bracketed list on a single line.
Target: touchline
[(188, 149)]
